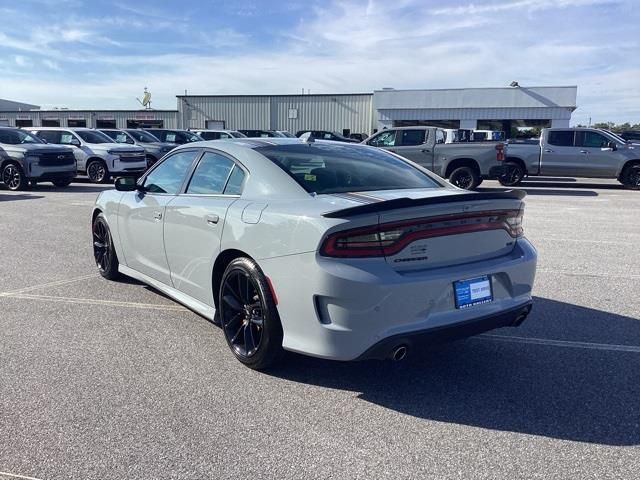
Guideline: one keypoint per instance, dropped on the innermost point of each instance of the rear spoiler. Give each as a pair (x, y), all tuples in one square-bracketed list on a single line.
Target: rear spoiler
[(406, 202)]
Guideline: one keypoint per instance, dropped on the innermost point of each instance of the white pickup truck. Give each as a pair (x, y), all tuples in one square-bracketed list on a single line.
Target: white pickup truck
[(574, 152)]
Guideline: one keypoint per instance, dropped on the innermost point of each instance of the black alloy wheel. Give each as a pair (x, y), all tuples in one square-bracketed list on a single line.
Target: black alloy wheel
[(103, 251), (13, 177), (464, 177), (631, 177), (97, 171), (248, 315), (513, 174)]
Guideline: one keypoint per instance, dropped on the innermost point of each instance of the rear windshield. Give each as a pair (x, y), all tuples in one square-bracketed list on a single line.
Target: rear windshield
[(323, 168)]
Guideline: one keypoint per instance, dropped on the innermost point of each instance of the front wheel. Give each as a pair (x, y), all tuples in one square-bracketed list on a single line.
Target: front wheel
[(97, 171), (513, 175), (103, 251), (13, 177), (248, 315), (631, 177), (465, 177), (62, 182)]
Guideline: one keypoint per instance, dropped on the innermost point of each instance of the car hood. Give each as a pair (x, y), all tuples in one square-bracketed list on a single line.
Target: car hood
[(36, 148), (116, 148)]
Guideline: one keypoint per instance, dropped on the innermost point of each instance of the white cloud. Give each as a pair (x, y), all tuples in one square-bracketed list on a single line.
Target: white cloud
[(21, 61), (355, 46)]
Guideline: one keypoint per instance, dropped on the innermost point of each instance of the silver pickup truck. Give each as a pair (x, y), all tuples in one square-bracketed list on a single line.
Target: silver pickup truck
[(464, 164), (574, 152)]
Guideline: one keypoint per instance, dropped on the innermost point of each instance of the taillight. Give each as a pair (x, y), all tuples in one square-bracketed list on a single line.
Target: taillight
[(500, 152), (390, 238)]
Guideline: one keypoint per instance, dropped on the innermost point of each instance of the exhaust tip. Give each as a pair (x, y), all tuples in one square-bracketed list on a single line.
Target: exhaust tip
[(399, 353)]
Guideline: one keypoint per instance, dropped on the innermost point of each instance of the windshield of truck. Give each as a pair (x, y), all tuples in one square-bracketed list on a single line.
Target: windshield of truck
[(16, 137), (142, 136), (616, 136), (93, 136)]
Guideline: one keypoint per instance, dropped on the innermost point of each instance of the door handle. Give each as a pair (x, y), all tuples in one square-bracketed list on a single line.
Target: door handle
[(212, 219), (584, 151), (157, 215), (425, 150), (547, 150)]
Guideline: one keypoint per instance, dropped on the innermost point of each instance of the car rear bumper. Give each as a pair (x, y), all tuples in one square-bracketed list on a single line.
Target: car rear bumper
[(448, 333), (341, 309)]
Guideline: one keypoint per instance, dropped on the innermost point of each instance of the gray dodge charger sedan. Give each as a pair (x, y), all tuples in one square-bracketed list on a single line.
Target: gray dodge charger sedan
[(334, 250)]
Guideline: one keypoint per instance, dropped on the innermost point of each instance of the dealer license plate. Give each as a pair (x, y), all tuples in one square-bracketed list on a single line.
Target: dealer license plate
[(474, 291)]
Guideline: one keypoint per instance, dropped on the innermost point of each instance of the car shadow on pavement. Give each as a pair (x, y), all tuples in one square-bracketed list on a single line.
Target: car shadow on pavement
[(73, 188), (558, 391), (7, 197)]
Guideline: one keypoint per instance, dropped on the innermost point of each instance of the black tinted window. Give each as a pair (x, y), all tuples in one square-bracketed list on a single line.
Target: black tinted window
[(560, 138), (211, 174), (412, 137), (594, 140), (210, 135), (51, 136), (336, 168), (168, 176)]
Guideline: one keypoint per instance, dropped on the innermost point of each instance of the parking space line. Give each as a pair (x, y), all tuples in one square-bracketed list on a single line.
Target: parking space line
[(561, 343), (14, 475), (91, 301), (48, 285)]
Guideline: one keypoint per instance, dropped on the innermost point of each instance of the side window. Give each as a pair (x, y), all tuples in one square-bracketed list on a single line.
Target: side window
[(51, 136), (384, 139), (234, 185), (412, 137), (440, 136), (594, 140), (211, 174), (560, 138), (66, 138), (168, 176)]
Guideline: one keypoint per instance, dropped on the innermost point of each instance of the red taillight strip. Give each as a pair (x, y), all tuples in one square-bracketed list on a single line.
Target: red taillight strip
[(360, 249)]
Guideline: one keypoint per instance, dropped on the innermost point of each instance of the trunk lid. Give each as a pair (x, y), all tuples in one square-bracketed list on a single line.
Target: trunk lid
[(447, 229)]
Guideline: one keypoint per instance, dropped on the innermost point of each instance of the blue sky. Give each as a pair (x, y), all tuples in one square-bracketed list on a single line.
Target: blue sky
[(100, 54)]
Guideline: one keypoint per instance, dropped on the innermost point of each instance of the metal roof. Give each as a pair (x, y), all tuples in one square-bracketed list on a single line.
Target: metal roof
[(508, 97)]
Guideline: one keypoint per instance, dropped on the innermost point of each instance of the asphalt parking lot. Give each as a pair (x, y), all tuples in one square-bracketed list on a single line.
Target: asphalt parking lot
[(103, 380)]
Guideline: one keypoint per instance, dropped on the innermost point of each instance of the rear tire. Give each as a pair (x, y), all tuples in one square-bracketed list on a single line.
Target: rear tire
[(13, 177), (513, 175), (248, 315), (62, 183), (97, 171), (103, 251), (465, 177), (630, 177)]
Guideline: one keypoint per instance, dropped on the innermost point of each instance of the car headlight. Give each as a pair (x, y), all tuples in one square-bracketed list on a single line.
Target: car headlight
[(32, 159), (112, 152)]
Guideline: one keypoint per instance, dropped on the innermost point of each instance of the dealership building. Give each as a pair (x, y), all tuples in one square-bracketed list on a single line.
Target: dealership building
[(470, 108)]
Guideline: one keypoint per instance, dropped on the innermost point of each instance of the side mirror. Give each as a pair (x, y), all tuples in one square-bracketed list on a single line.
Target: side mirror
[(126, 184), (75, 142), (612, 146)]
